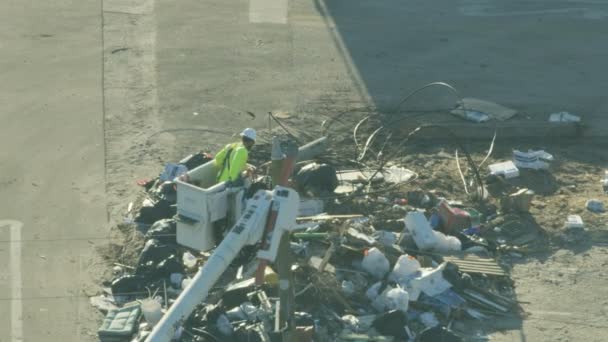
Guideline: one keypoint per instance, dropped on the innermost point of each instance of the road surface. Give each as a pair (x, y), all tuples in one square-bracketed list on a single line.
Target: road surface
[(51, 167), (97, 94)]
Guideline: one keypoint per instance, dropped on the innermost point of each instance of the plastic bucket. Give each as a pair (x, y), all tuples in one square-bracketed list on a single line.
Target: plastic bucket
[(151, 310)]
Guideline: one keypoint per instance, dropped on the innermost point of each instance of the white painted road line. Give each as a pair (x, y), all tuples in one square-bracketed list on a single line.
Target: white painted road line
[(15, 274), (268, 11)]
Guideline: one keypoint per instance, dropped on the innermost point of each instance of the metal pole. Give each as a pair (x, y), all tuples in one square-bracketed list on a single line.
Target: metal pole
[(286, 290), (282, 178), (312, 149), (286, 295)]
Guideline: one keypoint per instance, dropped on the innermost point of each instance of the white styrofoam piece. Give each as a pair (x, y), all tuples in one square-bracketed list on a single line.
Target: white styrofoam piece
[(564, 117), (532, 159), (395, 174), (574, 221), (506, 169)]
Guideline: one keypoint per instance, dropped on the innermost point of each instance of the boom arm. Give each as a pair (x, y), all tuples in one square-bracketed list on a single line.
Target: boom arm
[(247, 231)]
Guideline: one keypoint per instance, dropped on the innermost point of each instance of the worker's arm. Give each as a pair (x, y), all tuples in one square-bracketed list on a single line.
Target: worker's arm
[(238, 163)]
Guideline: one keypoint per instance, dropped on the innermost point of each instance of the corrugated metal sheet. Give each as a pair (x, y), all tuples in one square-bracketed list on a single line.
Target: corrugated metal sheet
[(475, 264)]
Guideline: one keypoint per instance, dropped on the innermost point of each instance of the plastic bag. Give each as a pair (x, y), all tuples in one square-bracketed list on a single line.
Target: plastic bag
[(375, 263), (405, 267)]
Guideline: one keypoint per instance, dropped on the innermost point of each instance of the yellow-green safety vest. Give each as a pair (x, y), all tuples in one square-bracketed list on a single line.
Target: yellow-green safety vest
[(231, 161)]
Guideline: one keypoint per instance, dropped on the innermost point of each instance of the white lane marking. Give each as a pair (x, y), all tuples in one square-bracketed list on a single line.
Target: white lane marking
[(78, 309), (268, 11), (15, 274)]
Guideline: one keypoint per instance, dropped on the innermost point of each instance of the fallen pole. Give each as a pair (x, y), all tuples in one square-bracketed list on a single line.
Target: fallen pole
[(312, 149), (248, 230)]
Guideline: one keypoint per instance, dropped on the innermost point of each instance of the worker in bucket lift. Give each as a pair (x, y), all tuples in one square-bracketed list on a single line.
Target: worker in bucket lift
[(231, 161)]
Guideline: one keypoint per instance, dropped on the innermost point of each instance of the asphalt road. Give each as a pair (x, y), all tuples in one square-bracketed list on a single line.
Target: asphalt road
[(94, 88), (535, 56), (51, 167)]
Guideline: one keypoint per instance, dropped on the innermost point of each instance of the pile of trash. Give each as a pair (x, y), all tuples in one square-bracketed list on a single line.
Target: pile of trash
[(408, 272)]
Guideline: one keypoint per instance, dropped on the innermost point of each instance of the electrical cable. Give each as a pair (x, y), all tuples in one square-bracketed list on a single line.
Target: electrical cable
[(464, 182), (443, 84), (367, 143), (355, 133), (449, 132), (284, 128), (489, 150), (326, 124), (388, 138), (467, 155), (206, 333)]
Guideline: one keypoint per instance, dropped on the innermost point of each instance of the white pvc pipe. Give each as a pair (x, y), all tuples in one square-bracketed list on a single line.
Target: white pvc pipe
[(198, 289), (247, 230)]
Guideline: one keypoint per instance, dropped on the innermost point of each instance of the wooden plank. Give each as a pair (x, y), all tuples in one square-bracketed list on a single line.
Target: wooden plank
[(328, 217), (482, 272), (481, 269)]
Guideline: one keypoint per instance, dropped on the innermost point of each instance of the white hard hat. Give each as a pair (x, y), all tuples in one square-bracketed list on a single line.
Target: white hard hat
[(249, 133)]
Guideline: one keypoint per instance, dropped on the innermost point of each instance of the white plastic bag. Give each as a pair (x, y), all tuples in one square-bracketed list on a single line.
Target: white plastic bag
[(375, 263), (392, 298), (405, 267), (396, 299), (431, 282), (420, 229), (454, 244), (189, 260), (442, 242), (447, 243)]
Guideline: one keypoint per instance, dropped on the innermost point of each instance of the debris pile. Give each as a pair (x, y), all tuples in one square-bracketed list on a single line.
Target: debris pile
[(404, 273), (372, 256)]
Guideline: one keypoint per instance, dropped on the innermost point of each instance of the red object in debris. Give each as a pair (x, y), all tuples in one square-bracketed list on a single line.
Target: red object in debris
[(453, 219), (401, 201), (142, 182)]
